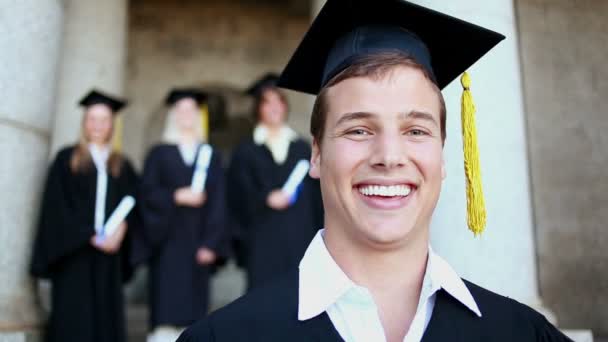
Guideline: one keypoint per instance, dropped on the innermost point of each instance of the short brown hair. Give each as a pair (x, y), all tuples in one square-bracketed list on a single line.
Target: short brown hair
[(374, 65), (259, 99)]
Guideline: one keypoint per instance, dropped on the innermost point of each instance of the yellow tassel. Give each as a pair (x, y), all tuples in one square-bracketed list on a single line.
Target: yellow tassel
[(476, 208), (117, 137), (205, 122)]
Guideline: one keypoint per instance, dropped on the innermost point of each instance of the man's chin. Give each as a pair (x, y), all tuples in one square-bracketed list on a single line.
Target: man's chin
[(384, 237)]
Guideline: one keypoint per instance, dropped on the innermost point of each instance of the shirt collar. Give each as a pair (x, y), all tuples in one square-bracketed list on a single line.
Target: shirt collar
[(260, 134), (443, 274), (188, 152), (322, 282), (99, 155)]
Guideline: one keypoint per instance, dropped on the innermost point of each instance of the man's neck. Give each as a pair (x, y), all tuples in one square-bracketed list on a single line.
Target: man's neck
[(99, 145), (272, 131), (187, 137), (393, 276)]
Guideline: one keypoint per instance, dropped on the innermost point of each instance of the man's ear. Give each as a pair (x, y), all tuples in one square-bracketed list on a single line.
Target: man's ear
[(315, 160)]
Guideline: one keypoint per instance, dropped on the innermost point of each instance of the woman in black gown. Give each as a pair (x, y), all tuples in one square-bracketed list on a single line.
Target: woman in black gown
[(183, 226), (85, 184), (273, 229)]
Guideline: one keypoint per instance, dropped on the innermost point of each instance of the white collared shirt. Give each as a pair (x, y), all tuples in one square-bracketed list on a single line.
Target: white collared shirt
[(188, 152), (279, 147), (324, 287), (100, 159)]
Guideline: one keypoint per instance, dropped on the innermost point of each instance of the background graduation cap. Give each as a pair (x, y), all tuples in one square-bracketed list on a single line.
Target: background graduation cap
[(346, 30), (269, 80), (96, 97), (177, 94)]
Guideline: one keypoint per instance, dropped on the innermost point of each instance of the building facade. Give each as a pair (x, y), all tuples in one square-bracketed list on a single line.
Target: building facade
[(541, 99)]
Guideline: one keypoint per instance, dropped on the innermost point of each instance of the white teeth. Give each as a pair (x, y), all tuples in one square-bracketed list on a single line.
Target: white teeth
[(385, 191)]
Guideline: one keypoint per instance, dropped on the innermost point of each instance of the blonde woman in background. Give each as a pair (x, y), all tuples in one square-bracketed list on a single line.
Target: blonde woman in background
[(183, 227), (85, 184)]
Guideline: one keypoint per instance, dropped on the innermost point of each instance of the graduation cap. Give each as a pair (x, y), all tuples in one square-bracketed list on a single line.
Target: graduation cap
[(177, 94), (346, 30), (269, 80), (97, 97)]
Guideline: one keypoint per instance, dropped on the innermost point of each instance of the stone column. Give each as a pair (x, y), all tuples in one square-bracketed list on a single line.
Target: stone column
[(94, 55), (503, 259), (316, 6), (30, 40)]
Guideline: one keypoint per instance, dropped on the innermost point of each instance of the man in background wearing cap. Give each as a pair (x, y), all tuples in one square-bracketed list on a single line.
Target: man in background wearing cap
[(379, 127), (274, 226)]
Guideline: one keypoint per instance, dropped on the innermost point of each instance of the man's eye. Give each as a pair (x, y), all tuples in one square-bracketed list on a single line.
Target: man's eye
[(416, 132), (359, 132)]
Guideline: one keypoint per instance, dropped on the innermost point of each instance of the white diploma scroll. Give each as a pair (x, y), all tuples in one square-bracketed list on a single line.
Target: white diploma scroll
[(296, 177), (120, 214), (200, 169)]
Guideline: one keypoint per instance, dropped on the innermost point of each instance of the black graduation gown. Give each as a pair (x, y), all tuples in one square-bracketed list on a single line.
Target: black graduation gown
[(270, 313), (171, 235), (86, 298), (271, 242)]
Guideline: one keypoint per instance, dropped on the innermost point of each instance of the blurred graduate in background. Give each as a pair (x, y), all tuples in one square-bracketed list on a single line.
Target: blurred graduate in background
[(183, 207), (274, 224), (74, 248)]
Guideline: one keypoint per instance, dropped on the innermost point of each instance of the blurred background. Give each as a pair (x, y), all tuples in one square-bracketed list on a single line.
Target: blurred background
[(542, 100)]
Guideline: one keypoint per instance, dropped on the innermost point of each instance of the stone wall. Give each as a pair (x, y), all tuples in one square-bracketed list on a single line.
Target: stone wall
[(563, 50), (223, 44), (30, 40), (92, 56)]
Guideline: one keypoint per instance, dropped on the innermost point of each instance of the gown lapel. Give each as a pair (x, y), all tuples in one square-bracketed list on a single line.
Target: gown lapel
[(451, 321), (320, 329)]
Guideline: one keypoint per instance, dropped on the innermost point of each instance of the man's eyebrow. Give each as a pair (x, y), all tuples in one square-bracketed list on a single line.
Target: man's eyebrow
[(354, 116), (415, 114)]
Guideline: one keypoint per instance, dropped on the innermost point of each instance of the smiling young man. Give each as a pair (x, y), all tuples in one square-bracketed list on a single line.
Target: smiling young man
[(378, 126)]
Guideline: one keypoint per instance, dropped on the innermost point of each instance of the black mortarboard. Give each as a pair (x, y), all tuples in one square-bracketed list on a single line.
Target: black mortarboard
[(267, 81), (96, 97), (177, 94), (347, 29)]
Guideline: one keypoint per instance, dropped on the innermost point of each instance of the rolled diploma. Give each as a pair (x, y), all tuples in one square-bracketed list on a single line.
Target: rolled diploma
[(120, 214), (200, 170), (296, 177)]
